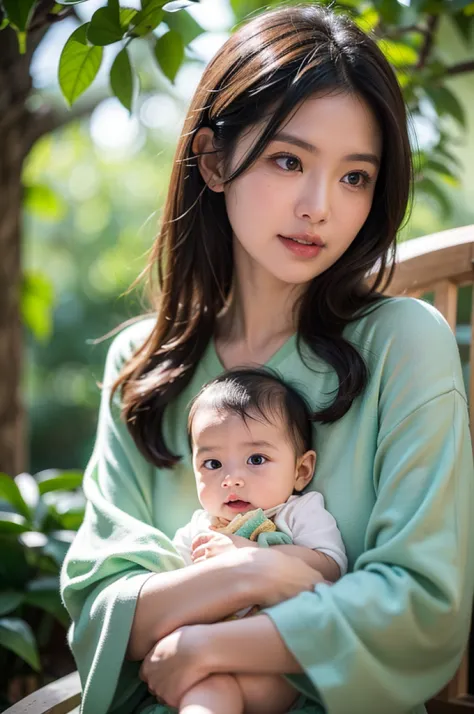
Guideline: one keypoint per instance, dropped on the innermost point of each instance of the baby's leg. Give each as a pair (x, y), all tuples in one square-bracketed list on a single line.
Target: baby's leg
[(266, 693), (217, 694)]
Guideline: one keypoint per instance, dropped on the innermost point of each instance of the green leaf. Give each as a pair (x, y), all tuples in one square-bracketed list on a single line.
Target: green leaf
[(398, 53), (441, 149), (14, 569), (456, 5), (127, 15), (28, 489), (440, 168), (368, 19), (429, 187), (37, 300), (10, 492), (148, 17), (10, 600), (66, 480), (43, 592), (17, 636), (121, 79), (446, 102), (12, 523), (185, 24), (19, 12), (104, 28), (464, 22), (44, 202), (4, 23), (389, 10), (78, 64), (114, 8), (169, 51)]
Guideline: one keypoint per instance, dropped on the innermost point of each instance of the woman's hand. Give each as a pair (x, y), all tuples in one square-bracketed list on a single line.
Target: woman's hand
[(208, 545), (175, 664)]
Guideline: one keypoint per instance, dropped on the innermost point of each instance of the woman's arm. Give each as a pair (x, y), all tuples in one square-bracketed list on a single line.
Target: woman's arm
[(205, 592), (179, 661), (212, 589)]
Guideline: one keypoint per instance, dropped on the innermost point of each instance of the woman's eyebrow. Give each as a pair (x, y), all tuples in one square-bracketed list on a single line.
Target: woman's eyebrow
[(290, 139)]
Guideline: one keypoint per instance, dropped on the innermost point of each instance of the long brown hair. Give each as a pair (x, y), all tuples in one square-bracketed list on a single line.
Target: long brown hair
[(267, 68)]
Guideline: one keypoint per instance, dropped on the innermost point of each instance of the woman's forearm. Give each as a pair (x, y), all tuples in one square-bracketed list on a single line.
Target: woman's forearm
[(201, 593), (249, 645)]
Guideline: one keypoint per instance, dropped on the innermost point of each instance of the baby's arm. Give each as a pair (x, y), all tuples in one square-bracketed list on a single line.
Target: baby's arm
[(318, 560)]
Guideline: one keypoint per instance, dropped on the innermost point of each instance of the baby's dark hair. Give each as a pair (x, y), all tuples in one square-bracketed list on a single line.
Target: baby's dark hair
[(249, 391)]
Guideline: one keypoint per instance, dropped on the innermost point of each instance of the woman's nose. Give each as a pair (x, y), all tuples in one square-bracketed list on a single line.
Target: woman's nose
[(314, 202), (229, 481)]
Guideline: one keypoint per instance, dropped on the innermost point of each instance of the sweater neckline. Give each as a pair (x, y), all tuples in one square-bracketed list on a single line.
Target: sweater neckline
[(274, 361)]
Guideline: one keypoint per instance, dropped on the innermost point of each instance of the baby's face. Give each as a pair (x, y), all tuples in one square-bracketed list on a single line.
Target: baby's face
[(241, 466)]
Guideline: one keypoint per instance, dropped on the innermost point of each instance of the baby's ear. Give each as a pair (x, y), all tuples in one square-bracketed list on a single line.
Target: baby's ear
[(305, 469)]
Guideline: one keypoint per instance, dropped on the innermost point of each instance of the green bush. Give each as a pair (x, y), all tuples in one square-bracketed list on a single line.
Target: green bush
[(39, 516)]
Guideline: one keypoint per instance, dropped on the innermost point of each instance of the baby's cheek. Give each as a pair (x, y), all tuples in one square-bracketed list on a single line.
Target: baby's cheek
[(206, 494)]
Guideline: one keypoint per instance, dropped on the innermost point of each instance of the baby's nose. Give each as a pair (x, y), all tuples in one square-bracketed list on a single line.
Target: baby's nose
[(231, 480)]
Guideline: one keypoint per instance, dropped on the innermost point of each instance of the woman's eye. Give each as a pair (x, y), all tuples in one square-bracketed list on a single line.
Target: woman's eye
[(287, 162), (212, 464), (257, 460), (358, 179)]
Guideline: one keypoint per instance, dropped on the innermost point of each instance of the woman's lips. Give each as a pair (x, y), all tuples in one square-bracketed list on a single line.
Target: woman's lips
[(299, 249)]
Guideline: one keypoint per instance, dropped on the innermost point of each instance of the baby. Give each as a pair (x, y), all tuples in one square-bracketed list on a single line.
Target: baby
[(250, 435)]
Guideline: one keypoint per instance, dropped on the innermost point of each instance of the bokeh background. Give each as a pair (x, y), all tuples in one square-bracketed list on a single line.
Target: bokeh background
[(96, 189)]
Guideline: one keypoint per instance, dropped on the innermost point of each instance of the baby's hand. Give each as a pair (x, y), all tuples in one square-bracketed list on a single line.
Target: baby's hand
[(208, 545)]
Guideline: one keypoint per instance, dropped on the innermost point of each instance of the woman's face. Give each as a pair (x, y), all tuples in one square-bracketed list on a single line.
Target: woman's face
[(316, 177)]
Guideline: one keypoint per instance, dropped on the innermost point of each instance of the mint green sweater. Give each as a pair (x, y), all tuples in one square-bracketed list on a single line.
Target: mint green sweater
[(397, 474)]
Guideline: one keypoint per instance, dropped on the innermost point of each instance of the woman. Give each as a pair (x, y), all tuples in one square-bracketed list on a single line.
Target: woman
[(291, 179)]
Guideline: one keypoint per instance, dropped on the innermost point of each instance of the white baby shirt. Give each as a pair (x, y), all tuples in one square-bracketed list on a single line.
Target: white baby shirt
[(303, 518)]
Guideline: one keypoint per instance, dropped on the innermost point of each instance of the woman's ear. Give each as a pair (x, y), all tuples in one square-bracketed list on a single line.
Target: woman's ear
[(304, 469), (209, 159)]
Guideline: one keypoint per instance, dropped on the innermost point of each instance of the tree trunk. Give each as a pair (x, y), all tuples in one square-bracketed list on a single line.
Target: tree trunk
[(15, 142), (11, 411)]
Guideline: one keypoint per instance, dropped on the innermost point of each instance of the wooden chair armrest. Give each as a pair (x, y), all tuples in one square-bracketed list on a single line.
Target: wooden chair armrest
[(59, 697)]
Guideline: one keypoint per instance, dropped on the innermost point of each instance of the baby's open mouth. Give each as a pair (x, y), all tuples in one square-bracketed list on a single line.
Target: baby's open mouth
[(238, 504)]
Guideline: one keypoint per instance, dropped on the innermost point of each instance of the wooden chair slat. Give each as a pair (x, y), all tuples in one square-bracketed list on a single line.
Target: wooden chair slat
[(458, 686), (59, 697), (446, 301), (423, 262)]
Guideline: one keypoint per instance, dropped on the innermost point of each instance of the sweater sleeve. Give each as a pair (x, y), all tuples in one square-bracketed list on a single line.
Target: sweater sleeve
[(389, 635), (115, 550)]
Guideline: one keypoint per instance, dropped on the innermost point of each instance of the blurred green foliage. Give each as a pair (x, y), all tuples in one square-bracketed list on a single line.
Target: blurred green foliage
[(39, 516), (86, 258), (91, 215)]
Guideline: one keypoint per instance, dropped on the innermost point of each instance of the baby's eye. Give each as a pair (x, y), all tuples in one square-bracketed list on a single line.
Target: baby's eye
[(256, 460), (292, 162), (212, 464)]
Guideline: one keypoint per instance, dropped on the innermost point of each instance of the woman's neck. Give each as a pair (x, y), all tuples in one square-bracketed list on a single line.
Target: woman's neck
[(259, 311)]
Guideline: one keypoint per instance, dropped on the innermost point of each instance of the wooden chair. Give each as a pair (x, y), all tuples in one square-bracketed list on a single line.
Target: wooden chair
[(439, 264)]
